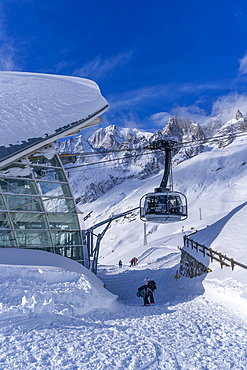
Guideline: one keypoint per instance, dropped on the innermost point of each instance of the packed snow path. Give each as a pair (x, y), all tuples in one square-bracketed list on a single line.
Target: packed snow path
[(184, 329), (188, 335)]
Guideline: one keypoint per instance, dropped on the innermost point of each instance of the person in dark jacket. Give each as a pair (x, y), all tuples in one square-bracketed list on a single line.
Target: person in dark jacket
[(120, 264), (152, 287), (143, 292)]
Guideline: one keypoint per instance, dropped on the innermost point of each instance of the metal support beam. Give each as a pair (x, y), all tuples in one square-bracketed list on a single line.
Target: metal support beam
[(89, 232)]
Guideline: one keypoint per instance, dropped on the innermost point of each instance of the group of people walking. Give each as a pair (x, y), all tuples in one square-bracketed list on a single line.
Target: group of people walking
[(133, 262)]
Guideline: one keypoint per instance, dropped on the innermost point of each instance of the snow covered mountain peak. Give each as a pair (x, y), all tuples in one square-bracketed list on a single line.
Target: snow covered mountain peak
[(106, 138), (121, 153), (239, 114), (111, 137), (182, 130), (228, 131)]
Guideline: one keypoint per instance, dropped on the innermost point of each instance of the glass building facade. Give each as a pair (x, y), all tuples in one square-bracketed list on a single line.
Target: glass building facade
[(37, 209)]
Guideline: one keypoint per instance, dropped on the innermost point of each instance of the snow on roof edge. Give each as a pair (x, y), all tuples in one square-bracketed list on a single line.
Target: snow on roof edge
[(42, 142)]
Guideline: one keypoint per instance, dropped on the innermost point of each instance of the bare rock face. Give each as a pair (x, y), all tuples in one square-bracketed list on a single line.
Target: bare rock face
[(112, 155)]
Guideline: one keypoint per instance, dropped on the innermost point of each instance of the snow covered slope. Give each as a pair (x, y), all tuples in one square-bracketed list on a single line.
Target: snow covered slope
[(198, 323)]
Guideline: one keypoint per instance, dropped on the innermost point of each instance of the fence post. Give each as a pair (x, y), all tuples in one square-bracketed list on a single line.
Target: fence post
[(220, 257), (211, 254), (203, 250), (232, 263), (196, 247)]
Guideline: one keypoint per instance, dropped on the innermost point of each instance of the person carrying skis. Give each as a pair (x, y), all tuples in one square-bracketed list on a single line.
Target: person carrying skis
[(152, 287), (143, 292)]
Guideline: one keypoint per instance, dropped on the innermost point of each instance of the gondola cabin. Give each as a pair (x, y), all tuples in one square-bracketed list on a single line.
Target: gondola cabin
[(163, 206)]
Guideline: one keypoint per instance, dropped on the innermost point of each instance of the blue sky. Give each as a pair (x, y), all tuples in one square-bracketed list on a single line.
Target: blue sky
[(150, 59)]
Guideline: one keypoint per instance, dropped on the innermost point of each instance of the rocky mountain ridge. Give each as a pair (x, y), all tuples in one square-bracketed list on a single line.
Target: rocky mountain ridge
[(112, 155)]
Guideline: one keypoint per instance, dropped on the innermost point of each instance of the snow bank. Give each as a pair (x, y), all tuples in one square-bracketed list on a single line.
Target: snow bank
[(34, 282)]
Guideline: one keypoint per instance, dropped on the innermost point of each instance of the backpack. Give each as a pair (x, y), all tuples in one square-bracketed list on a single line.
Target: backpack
[(152, 285)]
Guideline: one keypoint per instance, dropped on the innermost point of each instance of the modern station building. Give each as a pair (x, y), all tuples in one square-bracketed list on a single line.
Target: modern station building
[(37, 208)]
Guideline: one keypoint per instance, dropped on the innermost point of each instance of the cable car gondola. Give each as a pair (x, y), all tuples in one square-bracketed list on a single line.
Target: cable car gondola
[(164, 205)]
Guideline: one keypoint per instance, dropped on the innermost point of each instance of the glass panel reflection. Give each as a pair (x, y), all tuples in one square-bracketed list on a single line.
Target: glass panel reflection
[(33, 238), (16, 170), (59, 205), (53, 189), (7, 239), (49, 174), (39, 159), (23, 203), (2, 205), (18, 186), (61, 237), (63, 221), (74, 252), (4, 221), (28, 220)]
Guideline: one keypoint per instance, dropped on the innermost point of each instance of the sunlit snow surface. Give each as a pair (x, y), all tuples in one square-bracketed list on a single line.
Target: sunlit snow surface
[(34, 105), (46, 321)]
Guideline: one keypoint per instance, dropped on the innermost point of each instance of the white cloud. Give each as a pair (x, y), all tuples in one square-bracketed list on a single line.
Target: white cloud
[(243, 65), (228, 105), (193, 113), (7, 57), (160, 119), (7, 51), (135, 98), (99, 68)]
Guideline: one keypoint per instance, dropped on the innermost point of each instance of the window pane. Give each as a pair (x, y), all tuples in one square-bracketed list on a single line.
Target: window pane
[(53, 189), (2, 206), (33, 238), (39, 159), (59, 205), (63, 221), (28, 220), (18, 186), (23, 203), (66, 237), (74, 252), (4, 221), (17, 170), (50, 174), (7, 239)]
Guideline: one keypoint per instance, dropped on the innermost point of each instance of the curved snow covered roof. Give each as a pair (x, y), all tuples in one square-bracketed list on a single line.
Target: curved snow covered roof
[(37, 109)]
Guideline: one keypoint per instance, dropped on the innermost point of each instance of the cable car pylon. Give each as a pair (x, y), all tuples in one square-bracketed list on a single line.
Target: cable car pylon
[(164, 205)]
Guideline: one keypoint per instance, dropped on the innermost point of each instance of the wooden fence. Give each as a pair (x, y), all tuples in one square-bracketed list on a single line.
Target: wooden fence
[(212, 254)]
